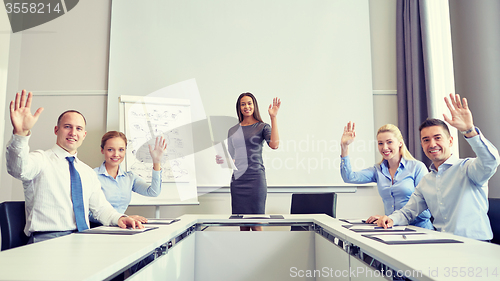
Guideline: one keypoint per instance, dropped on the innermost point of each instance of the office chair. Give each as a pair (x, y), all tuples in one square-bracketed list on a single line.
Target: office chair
[(494, 215), (12, 222), (313, 203), (95, 224)]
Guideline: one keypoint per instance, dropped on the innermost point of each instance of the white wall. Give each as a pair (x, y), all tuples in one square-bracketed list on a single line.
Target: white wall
[(64, 63), (366, 200), (475, 56), (5, 32), (296, 50), (70, 56)]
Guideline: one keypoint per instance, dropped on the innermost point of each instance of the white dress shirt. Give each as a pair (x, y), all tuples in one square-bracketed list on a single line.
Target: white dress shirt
[(47, 187)]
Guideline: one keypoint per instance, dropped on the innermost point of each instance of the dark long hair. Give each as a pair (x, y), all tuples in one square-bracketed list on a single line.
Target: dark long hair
[(256, 113)]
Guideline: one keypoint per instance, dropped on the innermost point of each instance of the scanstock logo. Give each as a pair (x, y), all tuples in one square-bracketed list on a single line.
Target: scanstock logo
[(25, 14)]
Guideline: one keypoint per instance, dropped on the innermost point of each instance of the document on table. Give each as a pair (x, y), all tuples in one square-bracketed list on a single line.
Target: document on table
[(354, 221), (410, 238), (256, 217), (162, 221), (374, 228), (116, 230)]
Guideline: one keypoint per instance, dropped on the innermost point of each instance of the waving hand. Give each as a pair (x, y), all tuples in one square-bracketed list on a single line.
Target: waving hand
[(20, 113), (349, 134), (461, 116), (158, 150), (274, 107), (347, 138)]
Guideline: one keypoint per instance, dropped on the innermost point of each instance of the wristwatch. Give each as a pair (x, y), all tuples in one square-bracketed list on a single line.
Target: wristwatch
[(468, 131)]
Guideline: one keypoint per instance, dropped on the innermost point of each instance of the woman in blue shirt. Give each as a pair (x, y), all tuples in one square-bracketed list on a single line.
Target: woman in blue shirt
[(396, 175), (117, 184)]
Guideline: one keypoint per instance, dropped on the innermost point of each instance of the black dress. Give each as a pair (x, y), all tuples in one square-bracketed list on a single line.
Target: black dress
[(248, 183)]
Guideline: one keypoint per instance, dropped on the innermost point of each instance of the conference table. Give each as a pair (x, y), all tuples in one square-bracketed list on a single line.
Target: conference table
[(210, 247)]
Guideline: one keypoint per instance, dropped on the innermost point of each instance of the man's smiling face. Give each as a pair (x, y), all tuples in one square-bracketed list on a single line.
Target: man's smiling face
[(436, 144), (70, 132)]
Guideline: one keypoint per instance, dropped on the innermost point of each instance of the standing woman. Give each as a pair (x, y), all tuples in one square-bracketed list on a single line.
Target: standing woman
[(245, 141), (396, 175), (117, 184)]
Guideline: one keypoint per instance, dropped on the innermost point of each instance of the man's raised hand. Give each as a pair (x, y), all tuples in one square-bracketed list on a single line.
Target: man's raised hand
[(461, 117), (20, 113)]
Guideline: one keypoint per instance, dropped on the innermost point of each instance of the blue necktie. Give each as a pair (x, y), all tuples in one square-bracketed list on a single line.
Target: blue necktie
[(77, 195)]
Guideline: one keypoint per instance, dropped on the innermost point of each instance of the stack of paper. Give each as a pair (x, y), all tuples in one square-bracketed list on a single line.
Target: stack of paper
[(410, 238), (162, 221), (354, 221), (374, 228), (115, 230)]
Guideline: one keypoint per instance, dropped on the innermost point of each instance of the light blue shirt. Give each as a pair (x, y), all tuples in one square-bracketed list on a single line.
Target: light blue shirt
[(457, 193), (395, 194), (119, 191)]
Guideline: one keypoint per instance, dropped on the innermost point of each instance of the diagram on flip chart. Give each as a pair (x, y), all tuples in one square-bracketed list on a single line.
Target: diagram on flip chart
[(145, 120)]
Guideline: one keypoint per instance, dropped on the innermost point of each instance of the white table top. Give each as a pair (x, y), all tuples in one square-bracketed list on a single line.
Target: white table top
[(96, 257)]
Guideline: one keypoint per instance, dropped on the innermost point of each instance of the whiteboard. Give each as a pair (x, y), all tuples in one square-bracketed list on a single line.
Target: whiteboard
[(142, 120), (315, 55)]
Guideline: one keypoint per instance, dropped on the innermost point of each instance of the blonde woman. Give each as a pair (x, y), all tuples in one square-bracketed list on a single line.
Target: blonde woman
[(118, 184), (396, 175)]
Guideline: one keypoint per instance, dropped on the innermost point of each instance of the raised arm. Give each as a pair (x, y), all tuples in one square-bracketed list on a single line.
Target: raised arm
[(273, 112), (363, 176), (482, 168), (347, 138), (157, 152), (461, 117), (154, 189), (20, 113), (20, 163)]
